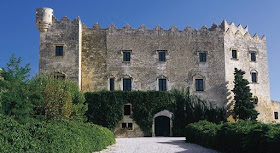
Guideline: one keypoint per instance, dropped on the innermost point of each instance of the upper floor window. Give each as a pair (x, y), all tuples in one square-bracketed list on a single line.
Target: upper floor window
[(162, 56), (199, 85), (126, 55), (276, 115), (127, 84), (234, 54), (254, 77), (253, 56), (202, 57), (162, 84), (58, 50), (112, 84)]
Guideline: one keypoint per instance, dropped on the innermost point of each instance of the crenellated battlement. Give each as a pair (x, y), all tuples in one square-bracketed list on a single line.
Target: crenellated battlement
[(239, 31)]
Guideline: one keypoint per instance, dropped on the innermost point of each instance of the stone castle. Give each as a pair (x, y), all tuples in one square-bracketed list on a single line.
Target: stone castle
[(203, 59)]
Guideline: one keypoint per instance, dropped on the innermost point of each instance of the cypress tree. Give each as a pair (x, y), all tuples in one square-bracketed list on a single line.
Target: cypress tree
[(244, 107)]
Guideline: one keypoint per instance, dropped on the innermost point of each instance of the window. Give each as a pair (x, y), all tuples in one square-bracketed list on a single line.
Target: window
[(199, 85), (254, 77), (112, 84), (234, 54), (253, 56), (126, 84), (123, 125), (127, 109), (276, 115), (58, 50), (162, 56), (130, 127), (162, 85), (126, 56), (202, 57), (59, 76)]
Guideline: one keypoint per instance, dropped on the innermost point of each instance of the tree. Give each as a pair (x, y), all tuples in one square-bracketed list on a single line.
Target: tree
[(14, 90), (56, 99), (244, 107)]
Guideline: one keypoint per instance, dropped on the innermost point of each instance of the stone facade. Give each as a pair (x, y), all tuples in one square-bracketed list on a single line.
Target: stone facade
[(93, 56)]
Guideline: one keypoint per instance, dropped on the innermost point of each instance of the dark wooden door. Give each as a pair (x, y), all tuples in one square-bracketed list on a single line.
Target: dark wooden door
[(162, 126)]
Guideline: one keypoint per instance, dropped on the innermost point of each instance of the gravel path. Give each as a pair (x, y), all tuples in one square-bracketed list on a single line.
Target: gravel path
[(155, 145)]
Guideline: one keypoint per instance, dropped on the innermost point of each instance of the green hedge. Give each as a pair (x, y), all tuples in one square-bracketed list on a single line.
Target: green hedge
[(55, 136), (242, 137), (106, 107)]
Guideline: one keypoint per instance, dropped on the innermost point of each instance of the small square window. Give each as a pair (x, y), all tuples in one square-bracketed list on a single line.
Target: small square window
[(253, 56), (58, 50), (126, 56), (162, 85), (124, 125), (127, 109), (162, 56), (112, 84), (276, 115), (126, 84), (254, 77), (130, 126), (234, 54), (202, 57), (199, 85)]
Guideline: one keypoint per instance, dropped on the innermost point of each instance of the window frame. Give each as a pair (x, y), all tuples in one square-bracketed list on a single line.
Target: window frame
[(162, 84), (112, 84), (126, 55), (199, 85), (203, 58), (254, 77), (59, 52), (236, 54), (125, 84), (124, 110), (255, 56), (162, 55), (276, 115)]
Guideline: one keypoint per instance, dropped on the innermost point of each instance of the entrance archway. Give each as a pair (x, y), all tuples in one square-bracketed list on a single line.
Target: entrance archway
[(162, 126)]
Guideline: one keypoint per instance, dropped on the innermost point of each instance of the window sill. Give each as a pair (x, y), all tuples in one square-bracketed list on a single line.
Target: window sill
[(235, 59), (254, 83)]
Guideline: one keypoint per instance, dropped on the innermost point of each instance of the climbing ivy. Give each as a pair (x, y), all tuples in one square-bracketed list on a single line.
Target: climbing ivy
[(106, 107)]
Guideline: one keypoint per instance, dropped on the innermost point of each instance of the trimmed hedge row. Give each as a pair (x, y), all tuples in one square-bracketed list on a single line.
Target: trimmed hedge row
[(54, 136), (243, 136), (106, 107)]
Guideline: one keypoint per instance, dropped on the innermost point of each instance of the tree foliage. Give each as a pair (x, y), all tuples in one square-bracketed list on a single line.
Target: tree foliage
[(14, 90), (190, 108), (244, 107)]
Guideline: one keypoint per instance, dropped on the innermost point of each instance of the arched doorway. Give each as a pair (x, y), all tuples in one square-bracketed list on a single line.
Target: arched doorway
[(162, 126)]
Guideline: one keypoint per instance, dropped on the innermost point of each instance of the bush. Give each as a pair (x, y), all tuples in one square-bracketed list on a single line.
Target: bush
[(56, 99), (55, 136), (106, 107), (242, 137)]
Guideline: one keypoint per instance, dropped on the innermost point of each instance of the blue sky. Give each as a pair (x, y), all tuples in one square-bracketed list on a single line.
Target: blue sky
[(19, 34)]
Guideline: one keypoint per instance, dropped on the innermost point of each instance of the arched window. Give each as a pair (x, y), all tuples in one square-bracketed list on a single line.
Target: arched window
[(254, 76)]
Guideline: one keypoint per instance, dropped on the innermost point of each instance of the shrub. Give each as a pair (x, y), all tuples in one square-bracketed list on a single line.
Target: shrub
[(54, 136), (242, 137), (56, 99)]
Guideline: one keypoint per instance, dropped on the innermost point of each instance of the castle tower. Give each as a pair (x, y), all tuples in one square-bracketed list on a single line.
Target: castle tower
[(44, 18)]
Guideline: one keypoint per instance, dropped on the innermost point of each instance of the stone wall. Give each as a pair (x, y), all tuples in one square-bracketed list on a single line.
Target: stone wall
[(182, 65), (94, 56), (66, 34)]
